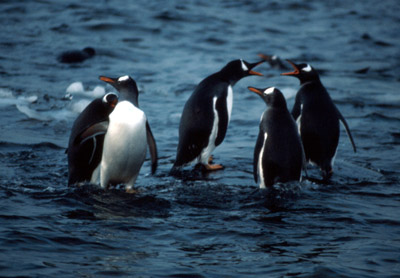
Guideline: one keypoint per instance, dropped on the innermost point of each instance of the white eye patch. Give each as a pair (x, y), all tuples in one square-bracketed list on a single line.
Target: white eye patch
[(244, 67), (269, 91), (106, 96), (307, 69), (123, 78)]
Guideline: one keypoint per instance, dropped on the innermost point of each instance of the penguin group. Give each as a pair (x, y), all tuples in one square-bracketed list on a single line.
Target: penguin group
[(109, 139)]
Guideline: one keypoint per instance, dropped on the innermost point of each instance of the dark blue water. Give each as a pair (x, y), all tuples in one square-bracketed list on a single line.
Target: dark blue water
[(218, 225)]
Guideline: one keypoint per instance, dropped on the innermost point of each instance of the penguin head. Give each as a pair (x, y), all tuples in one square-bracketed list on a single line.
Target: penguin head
[(125, 85), (89, 51), (237, 69), (110, 100), (272, 96), (304, 72)]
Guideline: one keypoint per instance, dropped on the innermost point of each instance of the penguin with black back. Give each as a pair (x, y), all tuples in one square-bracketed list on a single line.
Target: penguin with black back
[(278, 154), (76, 56), (86, 140), (127, 137), (317, 118), (206, 116)]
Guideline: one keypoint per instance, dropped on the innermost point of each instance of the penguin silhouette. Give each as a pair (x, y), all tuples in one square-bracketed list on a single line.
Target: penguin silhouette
[(318, 119), (278, 154), (86, 140), (206, 115), (76, 56)]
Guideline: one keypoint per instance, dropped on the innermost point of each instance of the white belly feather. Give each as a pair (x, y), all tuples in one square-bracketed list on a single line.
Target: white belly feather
[(125, 145), (260, 159)]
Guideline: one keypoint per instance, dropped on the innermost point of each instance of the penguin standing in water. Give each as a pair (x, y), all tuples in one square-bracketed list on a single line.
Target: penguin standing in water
[(317, 118), (125, 144), (85, 145), (206, 115), (278, 154)]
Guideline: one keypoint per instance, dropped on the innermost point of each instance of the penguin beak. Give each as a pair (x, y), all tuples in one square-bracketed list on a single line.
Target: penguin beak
[(251, 66), (264, 57), (292, 73), (108, 79), (255, 90)]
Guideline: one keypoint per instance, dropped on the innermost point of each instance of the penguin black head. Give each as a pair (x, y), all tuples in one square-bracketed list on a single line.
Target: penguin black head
[(110, 100), (90, 51), (237, 69), (304, 72), (272, 96), (125, 85)]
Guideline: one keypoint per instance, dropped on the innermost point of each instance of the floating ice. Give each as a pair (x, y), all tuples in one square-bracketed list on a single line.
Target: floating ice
[(75, 88)]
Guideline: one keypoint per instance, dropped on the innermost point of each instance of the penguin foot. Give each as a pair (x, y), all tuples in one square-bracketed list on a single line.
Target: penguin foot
[(213, 167), (131, 190), (326, 175)]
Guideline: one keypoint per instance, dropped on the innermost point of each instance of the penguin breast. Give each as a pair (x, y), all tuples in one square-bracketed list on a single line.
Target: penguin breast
[(125, 142)]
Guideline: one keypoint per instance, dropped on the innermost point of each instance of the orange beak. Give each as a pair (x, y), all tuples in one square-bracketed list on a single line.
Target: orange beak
[(107, 79), (295, 67), (255, 90)]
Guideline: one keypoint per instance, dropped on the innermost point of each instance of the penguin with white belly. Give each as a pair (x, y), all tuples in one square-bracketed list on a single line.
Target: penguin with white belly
[(318, 119), (278, 154), (85, 145), (127, 137), (206, 116)]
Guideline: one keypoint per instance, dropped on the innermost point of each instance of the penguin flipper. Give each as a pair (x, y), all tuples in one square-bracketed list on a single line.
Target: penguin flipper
[(152, 147), (296, 111), (257, 149), (92, 131), (221, 107), (346, 126)]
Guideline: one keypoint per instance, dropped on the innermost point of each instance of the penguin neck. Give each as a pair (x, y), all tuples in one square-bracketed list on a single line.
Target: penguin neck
[(228, 76), (314, 79), (130, 96)]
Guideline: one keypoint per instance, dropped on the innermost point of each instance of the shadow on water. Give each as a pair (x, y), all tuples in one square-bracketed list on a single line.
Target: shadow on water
[(99, 203)]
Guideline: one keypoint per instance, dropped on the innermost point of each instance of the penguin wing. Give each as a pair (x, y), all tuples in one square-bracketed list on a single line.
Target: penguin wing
[(296, 111), (91, 132), (152, 147), (221, 107), (346, 126), (257, 150)]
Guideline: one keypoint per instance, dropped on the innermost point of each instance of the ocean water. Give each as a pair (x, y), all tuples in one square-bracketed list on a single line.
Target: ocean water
[(215, 225)]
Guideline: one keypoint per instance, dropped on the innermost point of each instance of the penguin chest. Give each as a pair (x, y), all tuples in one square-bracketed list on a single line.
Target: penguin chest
[(125, 142)]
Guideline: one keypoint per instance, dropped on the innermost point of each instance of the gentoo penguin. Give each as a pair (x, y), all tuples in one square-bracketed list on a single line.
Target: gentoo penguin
[(85, 145), (278, 154), (274, 61), (317, 118), (76, 56), (125, 144), (206, 115)]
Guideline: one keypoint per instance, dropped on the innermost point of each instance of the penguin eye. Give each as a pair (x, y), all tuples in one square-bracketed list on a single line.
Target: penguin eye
[(123, 78), (307, 68), (269, 91), (244, 67)]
